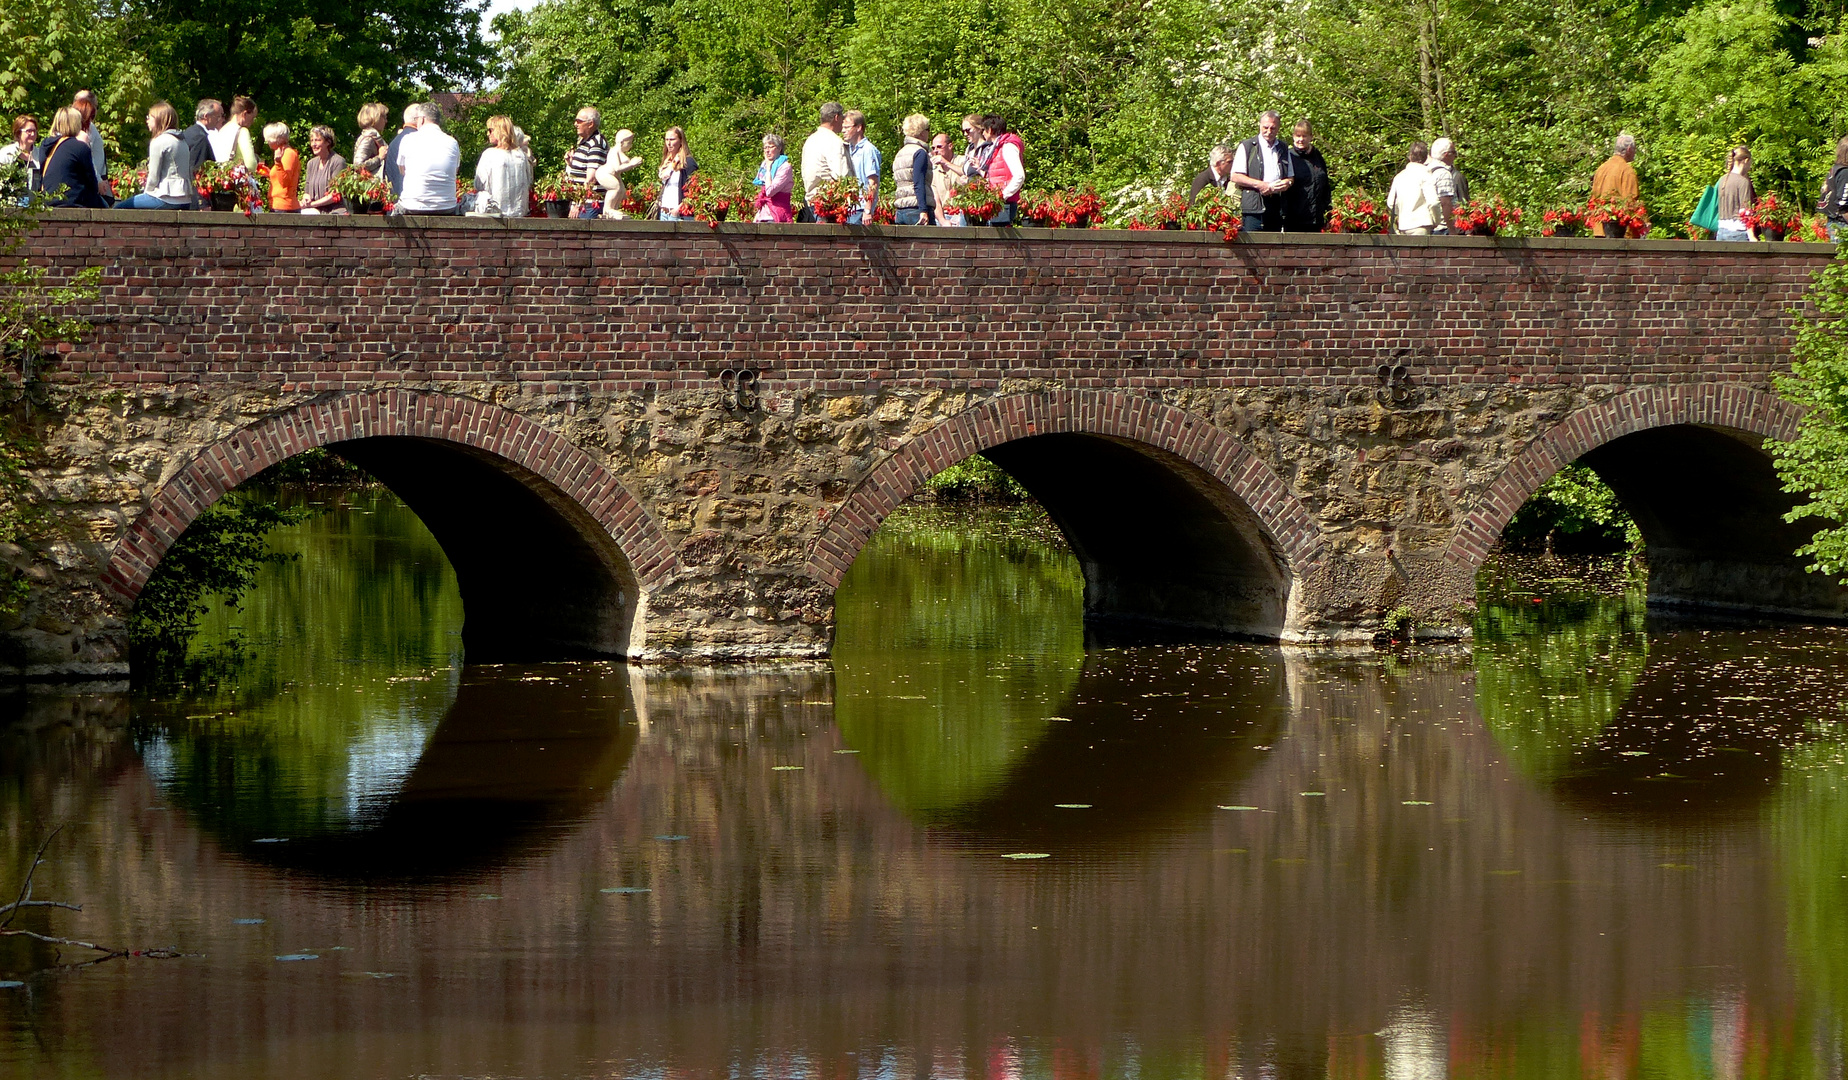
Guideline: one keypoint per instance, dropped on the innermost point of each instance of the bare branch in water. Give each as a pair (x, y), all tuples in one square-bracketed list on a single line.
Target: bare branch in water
[(109, 952)]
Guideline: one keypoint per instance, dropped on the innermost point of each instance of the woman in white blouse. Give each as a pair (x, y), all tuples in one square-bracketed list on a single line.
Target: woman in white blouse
[(504, 176)]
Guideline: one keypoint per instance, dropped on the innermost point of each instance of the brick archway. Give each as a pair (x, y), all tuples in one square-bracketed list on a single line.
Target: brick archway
[(484, 428), (1739, 408), (1287, 525)]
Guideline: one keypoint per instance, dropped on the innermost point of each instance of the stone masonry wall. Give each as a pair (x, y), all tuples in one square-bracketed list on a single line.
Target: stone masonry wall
[(1257, 360)]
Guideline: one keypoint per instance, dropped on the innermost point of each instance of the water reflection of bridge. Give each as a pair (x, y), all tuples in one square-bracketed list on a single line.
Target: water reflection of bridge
[(802, 911)]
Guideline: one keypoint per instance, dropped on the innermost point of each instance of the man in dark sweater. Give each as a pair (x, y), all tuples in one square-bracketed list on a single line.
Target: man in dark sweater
[(208, 117), (1218, 172)]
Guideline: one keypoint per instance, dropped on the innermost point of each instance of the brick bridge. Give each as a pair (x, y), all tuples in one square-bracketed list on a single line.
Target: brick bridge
[(1209, 424)]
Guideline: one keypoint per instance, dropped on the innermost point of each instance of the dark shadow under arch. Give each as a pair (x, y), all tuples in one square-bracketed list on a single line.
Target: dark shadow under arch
[(551, 552), (1176, 523)]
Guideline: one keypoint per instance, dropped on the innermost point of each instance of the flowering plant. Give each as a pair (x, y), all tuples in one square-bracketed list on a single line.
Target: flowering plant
[(1215, 211), (712, 199), (1358, 212), (222, 177), (1563, 221), (883, 214), (1486, 217), (561, 186), (1073, 208), (1631, 215), (636, 199), (127, 180), (1808, 230), (978, 200), (1767, 215), (834, 200), (1170, 213), (361, 191)]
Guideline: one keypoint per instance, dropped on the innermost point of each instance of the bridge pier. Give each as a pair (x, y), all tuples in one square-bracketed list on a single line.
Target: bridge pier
[(669, 443)]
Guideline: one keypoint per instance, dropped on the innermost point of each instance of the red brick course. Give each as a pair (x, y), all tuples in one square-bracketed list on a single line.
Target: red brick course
[(1287, 524), (340, 417), (1739, 408)]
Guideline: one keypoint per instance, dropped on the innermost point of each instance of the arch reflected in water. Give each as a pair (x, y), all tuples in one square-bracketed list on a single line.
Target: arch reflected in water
[(350, 741), (963, 684)]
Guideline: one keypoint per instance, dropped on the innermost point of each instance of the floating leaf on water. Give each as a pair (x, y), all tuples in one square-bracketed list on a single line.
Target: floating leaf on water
[(247, 922), (1072, 805), (10, 984), (1061, 719), (1312, 793), (626, 890), (1746, 697), (1633, 753), (905, 697), (1238, 808), (485, 896), (299, 956), (1414, 802), (1029, 855), (817, 703), (785, 768), (272, 840), (674, 836), (846, 751)]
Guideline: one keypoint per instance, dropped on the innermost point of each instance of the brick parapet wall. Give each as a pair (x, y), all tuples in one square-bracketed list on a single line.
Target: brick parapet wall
[(322, 304)]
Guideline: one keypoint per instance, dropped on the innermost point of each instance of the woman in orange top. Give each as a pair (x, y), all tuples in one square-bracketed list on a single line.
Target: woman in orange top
[(285, 173)]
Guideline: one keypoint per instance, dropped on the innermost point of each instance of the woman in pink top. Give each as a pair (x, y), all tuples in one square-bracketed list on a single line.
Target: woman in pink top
[(778, 181), (1006, 170)]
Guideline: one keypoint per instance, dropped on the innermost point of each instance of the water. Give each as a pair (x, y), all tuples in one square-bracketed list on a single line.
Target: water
[(971, 849)]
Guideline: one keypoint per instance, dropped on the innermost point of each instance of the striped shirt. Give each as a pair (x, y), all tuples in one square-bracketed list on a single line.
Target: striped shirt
[(587, 157)]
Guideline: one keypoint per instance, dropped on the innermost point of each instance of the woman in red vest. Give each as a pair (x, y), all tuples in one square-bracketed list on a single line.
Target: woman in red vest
[(1006, 169)]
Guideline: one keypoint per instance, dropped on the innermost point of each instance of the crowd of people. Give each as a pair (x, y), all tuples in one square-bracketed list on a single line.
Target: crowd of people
[(1279, 186)]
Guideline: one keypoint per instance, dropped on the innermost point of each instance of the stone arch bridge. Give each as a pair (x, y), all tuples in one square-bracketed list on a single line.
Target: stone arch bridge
[(666, 441)]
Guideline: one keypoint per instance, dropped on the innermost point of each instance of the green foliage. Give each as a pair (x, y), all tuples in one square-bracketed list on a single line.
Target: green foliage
[(220, 553), (1814, 465), (49, 49), (975, 478), (1574, 503)]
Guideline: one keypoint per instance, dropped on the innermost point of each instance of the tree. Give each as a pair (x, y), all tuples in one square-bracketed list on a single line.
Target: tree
[(49, 49), (309, 61), (1814, 465)]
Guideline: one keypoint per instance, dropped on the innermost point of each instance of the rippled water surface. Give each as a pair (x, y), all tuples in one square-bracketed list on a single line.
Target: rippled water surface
[(971, 848)]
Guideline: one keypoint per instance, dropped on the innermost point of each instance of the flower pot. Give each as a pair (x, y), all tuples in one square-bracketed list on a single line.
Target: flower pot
[(224, 202), (1482, 230), (1614, 230), (557, 208), (1773, 233), (359, 206)]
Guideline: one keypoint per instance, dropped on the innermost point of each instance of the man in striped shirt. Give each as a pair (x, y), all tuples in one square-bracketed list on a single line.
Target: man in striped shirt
[(588, 155)]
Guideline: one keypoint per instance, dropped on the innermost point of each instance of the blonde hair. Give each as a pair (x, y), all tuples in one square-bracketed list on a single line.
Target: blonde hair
[(68, 122), (679, 160), (273, 132), (917, 126), (164, 115), (374, 114), (500, 132)]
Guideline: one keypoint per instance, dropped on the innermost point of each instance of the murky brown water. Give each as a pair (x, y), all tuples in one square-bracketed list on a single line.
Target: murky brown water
[(971, 848)]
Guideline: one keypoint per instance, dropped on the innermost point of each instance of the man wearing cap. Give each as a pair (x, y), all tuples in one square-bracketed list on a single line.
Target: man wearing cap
[(1447, 188)]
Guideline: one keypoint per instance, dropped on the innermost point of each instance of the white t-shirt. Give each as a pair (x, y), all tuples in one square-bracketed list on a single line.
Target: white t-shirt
[(1272, 164), (429, 160)]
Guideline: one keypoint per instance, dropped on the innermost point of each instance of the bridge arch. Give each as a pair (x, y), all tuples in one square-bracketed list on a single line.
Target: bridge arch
[(1173, 520), (552, 553), (1688, 464)]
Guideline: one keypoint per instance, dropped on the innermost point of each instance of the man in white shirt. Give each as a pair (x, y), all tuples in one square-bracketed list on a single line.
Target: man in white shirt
[(1448, 190), (1261, 172), (429, 159), (824, 156), (1414, 213)]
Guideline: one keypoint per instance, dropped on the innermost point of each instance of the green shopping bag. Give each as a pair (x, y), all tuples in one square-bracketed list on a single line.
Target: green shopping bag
[(1706, 213)]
